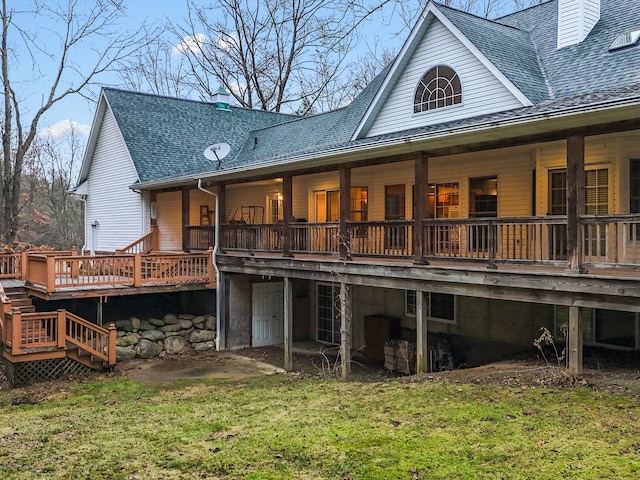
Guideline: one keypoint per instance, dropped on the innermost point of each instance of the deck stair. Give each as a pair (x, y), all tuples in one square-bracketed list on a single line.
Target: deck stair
[(44, 345)]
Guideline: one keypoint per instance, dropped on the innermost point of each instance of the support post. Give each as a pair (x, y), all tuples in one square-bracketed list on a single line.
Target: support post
[(344, 239), (137, 270), (575, 203), (16, 332), (112, 344), (24, 258), (575, 340), (51, 273), (61, 328), (287, 214), (288, 324), (222, 206), (422, 347), (186, 206), (99, 311), (420, 201), (346, 317), (223, 297)]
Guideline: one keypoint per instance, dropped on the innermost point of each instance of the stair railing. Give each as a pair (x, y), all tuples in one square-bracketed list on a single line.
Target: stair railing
[(144, 244), (93, 339)]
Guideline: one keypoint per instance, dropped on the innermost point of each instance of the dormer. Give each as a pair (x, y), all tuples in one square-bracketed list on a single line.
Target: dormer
[(576, 18)]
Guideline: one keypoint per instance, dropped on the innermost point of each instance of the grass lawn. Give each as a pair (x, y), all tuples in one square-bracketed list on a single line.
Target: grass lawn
[(291, 427)]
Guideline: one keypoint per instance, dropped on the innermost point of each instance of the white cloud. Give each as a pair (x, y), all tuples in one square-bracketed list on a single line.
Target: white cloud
[(190, 44), (64, 128)]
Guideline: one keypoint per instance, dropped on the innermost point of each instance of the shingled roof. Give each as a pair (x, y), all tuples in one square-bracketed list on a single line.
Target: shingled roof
[(166, 136)]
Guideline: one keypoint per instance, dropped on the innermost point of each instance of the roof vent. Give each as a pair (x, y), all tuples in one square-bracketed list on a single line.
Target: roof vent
[(625, 40), (221, 99)]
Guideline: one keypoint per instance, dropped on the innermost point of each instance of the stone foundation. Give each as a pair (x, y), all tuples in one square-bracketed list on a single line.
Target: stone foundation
[(172, 333)]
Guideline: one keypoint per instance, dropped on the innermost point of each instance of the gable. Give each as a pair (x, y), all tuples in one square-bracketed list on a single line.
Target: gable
[(482, 91)]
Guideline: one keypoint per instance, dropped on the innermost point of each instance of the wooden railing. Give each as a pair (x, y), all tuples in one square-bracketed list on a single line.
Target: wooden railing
[(611, 240), (252, 237), (144, 244), (93, 339), (317, 238), (200, 237), (42, 332), (392, 238), (56, 272), (11, 265), (527, 239)]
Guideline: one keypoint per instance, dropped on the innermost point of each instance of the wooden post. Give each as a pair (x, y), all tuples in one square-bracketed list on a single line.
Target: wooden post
[(75, 264), (422, 347), (211, 269), (155, 238), (491, 245), (575, 203), (51, 273), (221, 333), (16, 333), (137, 270), (61, 328), (112, 344), (287, 214), (99, 311), (346, 318), (221, 215), (24, 261), (575, 340), (344, 240), (420, 202), (186, 206), (288, 324)]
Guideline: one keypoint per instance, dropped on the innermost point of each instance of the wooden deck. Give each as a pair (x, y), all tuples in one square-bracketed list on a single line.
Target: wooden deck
[(40, 345), (58, 275)]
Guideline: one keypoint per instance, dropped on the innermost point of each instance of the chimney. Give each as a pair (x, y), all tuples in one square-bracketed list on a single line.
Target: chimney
[(576, 18), (221, 99)]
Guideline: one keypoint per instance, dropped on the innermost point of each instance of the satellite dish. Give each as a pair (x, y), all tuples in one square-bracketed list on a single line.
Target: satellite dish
[(217, 152)]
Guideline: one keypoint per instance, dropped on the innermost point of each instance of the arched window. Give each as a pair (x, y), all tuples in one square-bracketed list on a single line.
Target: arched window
[(440, 87)]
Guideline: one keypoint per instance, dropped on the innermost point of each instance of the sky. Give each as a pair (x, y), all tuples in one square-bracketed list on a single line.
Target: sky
[(31, 81)]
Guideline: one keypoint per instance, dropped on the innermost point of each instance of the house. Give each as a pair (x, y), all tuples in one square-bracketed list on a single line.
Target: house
[(484, 186)]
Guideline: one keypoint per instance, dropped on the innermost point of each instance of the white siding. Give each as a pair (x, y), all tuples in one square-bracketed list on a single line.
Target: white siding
[(169, 208), (482, 92), (111, 203), (576, 18), (254, 195)]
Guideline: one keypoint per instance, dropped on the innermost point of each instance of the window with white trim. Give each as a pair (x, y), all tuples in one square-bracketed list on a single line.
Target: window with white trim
[(440, 307), (328, 313), (439, 87)]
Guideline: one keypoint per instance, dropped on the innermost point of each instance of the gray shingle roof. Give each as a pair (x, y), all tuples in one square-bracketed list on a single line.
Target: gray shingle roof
[(511, 50), (166, 136)]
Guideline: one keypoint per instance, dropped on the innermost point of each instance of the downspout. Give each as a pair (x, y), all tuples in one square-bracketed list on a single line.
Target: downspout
[(214, 261)]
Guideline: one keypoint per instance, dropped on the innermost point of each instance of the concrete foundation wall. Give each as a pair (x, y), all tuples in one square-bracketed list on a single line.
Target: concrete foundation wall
[(240, 297)]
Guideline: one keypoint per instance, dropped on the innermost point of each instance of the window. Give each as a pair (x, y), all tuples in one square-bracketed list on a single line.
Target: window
[(328, 205), (444, 200), (601, 327), (328, 313), (634, 185), (441, 307), (439, 87)]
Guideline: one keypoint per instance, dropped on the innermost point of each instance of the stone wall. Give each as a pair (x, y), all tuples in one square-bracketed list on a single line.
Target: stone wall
[(158, 337)]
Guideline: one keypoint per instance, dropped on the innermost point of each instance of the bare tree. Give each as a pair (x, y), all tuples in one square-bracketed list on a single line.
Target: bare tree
[(65, 56)]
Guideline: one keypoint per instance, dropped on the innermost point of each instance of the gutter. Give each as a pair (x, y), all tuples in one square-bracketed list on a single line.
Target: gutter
[(214, 260)]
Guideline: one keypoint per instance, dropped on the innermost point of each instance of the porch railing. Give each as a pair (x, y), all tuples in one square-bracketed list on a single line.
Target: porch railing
[(392, 238), (56, 272), (200, 237), (611, 240), (144, 244), (11, 265), (39, 332)]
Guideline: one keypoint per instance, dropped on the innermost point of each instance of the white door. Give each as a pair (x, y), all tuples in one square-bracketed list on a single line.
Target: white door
[(267, 314)]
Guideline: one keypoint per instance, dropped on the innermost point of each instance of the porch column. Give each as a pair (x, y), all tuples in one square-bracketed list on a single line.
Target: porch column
[(575, 203), (221, 323), (287, 214), (186, 206), (221, 215), (288, 324), (346, 317), (344, 240), (575, 340), (420, 200), (422, 348)]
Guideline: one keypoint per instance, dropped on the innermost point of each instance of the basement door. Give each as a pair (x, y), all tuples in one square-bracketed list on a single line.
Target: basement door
[(268, 314)]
